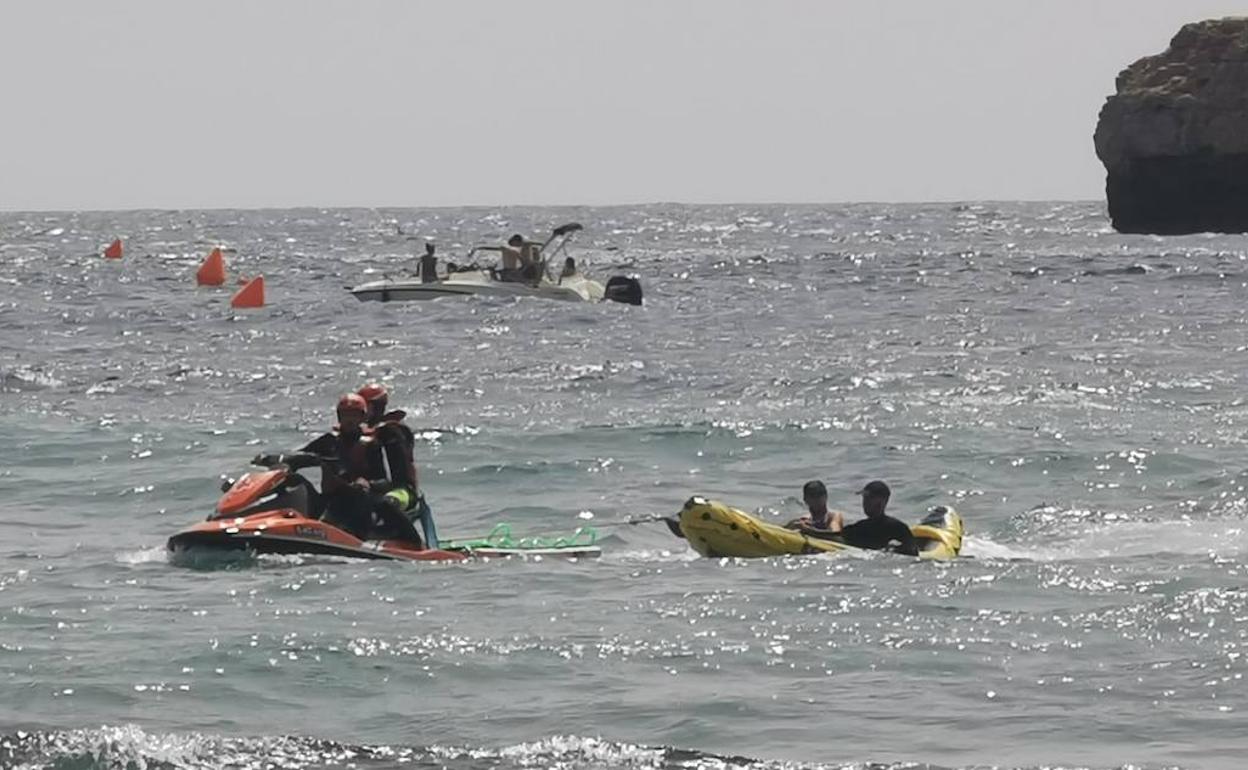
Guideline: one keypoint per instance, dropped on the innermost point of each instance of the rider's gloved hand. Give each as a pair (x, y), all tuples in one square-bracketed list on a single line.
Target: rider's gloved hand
[(267, 460)]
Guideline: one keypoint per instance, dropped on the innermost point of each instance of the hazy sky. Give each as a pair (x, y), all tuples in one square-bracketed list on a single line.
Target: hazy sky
[(228, 103)]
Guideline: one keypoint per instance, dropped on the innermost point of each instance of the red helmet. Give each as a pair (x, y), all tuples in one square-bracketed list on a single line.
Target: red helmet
[(352, 402), (375, 392)]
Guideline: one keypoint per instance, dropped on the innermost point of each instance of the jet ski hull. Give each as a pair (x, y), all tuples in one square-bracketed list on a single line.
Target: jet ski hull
[(717, 530), (289, 532)]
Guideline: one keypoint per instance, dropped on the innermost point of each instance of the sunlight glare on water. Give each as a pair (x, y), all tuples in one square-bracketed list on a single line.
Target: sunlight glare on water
[(1076, 394)]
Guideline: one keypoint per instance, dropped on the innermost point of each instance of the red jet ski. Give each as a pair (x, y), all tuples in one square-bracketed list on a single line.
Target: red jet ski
[(276, 511)]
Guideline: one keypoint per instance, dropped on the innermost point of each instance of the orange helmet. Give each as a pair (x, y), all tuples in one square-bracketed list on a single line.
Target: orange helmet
[(352, 402), (375, 392)]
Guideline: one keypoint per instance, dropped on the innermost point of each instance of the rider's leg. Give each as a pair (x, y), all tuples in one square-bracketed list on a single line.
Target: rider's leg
[(350, 512), (393, 508)]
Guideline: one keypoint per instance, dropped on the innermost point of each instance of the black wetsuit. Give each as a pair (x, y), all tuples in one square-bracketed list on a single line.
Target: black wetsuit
[(395, 454), (345, 505), (385, 468), (876, 534), (396, 446)]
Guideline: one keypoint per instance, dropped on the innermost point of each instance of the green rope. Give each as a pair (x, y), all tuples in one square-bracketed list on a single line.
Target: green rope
[(500, 537)]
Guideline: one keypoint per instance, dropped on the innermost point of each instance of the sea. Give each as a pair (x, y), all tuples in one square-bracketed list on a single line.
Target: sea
[(1078, 395)]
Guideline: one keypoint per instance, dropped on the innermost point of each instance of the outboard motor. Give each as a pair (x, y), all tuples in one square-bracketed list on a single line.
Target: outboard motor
[(622, 288)]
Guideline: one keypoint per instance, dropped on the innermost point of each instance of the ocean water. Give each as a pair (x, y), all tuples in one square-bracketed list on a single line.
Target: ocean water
[(1077, 394)]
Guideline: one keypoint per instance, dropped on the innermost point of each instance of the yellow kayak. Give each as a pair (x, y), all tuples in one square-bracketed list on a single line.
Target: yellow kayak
[(715, 529)]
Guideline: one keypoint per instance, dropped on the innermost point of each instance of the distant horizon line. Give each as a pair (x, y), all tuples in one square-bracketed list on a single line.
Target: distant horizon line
[(359, 207)]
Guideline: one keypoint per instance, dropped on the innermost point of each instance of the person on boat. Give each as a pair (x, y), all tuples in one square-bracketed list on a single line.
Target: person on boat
[(520, 260), (879, 530), (428, 264), (815, 495), (396, 445)]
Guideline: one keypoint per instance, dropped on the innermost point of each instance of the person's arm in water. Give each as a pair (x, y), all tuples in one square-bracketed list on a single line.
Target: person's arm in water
[(907, 544)]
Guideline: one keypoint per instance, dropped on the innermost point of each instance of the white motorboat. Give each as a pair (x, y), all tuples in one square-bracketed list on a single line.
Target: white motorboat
[(568, 285)]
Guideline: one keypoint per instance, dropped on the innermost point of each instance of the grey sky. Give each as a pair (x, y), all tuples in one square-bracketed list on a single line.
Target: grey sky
[(190, 103)]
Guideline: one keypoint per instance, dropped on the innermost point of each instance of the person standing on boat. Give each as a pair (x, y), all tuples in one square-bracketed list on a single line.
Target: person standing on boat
[(520, 260), (396, 455), (879, 530), (428, 264), (815, 495)]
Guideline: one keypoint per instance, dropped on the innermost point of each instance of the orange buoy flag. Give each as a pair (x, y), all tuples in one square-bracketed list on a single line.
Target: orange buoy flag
[(212, 272), (114, 250), (251, 295)]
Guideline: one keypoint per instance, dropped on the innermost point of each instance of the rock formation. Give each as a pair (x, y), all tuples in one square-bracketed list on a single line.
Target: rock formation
[(1174, 139)]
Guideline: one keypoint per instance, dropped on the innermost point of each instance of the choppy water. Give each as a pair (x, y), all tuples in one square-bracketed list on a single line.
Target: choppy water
[(1077, 394)]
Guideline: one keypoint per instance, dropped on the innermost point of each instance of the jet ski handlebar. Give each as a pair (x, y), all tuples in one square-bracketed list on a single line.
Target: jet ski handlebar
[(294, 462)]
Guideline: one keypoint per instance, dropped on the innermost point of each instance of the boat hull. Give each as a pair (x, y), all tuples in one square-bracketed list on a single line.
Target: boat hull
[(473, 283), (718, 530)]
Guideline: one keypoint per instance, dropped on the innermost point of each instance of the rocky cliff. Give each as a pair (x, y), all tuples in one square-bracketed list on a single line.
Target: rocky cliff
[(1174, 138)]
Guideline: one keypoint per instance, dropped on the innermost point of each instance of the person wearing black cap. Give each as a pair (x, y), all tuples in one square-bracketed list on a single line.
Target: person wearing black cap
[(879, 530)]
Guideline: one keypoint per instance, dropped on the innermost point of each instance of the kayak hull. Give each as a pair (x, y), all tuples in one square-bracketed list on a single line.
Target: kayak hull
[(717, 530)]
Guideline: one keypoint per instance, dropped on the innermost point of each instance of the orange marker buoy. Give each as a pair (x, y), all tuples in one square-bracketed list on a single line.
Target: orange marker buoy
[(251, 295), (114, 250), (212, 272)]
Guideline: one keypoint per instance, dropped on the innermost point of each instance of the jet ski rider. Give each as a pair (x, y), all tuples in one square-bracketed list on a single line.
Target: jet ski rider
[(397, 447), (879, 529), (354, 484)]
